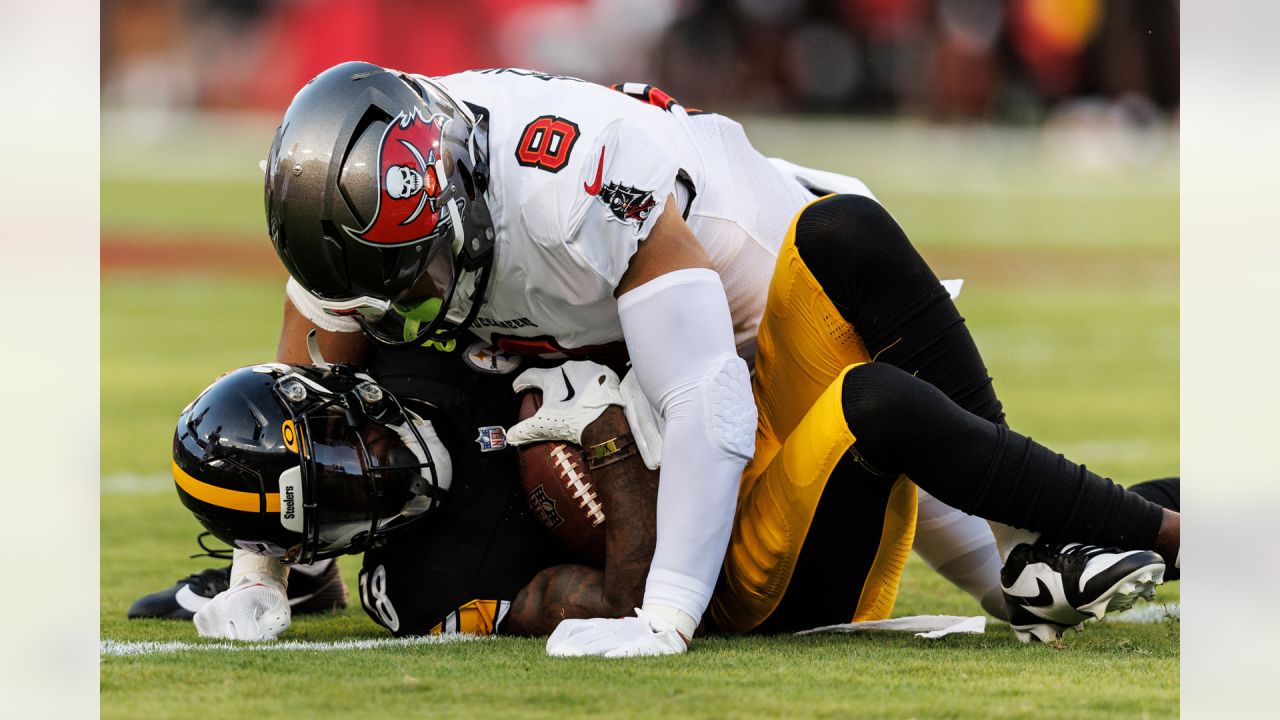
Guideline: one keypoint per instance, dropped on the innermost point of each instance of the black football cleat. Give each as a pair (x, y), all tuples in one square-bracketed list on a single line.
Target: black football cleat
[(314, 588), (181, 601), (1049, 588)]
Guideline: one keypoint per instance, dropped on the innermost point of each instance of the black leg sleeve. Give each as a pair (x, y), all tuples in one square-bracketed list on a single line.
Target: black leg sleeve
[(1165, 492), (905, 425), (880, 284)]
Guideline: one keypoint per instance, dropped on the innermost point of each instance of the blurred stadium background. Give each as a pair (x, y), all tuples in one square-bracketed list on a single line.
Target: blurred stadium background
[(1028, 146), (953, 96), (1018, 61)]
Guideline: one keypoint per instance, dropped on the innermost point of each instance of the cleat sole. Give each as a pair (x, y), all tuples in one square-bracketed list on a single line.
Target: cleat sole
[(1140, 583), (1041, 632)]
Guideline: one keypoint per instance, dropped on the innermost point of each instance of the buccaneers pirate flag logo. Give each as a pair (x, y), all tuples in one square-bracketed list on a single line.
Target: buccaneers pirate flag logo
[(410, 180)]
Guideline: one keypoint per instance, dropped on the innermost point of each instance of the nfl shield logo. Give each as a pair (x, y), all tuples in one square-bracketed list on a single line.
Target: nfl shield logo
[(492, 437)]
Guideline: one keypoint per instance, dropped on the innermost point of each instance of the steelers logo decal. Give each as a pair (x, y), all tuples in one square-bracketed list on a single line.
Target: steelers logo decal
[(290, 435), (486, 358)]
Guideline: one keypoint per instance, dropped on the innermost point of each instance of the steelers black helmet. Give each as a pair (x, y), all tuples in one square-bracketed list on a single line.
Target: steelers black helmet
[(304, 463), (375, 201)]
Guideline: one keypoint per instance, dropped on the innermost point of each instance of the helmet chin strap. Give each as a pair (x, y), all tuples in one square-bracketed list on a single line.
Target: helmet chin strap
[(439, 453), (313, 350), (455, 219), (480, 286), (441, 462)]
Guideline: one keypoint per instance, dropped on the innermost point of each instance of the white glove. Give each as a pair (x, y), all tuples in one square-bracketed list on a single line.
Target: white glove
[(256, 608), (573, 396), (645, 635)]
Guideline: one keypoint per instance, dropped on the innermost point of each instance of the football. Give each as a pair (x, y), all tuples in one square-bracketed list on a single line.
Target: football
[(560, 492)]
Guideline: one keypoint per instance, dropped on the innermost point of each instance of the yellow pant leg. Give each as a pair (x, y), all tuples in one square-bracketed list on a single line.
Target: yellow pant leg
[(774, 518), (804, 347)]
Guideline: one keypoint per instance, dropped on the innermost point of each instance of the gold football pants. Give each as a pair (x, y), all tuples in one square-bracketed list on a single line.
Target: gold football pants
[(805, 348)]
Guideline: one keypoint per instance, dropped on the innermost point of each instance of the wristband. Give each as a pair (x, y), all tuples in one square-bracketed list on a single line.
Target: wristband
[(610, 451)]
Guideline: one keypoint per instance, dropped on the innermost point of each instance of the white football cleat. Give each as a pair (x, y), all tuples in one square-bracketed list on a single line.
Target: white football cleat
[(1049, 588)]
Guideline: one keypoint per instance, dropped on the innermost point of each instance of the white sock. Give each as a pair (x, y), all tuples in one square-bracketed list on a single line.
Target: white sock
[(960, 548)]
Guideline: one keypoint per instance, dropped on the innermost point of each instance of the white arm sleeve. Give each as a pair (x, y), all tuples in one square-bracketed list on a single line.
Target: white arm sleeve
[(680, 337), (310, 308)]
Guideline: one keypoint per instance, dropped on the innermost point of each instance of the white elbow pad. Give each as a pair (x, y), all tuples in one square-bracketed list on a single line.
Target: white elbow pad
[(730, 415), (730, 411)]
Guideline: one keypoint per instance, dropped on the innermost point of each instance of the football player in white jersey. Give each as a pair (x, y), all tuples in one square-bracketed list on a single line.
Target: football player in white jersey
[(555, 217)]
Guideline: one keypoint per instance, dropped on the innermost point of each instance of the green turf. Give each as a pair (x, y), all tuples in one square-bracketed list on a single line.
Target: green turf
[(1108, 673), (1072, 296), (223, 210), (164, 340)]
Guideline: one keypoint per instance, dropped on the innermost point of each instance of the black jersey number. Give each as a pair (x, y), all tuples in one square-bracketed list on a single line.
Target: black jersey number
[(546, 143)]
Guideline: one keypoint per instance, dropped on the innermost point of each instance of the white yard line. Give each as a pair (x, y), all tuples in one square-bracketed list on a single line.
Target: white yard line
[(135, 484), (121, 648)]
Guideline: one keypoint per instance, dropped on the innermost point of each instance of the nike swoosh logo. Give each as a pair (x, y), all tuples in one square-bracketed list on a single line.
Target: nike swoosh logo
[(188, 600), (1042, 599), (594, 188), (567, 384)]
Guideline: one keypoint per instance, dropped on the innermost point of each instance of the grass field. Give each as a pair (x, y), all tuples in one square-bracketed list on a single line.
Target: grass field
[(1072, 293)]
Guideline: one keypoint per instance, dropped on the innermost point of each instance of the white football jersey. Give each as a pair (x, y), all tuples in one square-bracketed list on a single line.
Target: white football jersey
[(579, 174)]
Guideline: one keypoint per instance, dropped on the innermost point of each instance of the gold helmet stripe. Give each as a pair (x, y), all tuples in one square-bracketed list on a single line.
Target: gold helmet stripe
[(223, 497)]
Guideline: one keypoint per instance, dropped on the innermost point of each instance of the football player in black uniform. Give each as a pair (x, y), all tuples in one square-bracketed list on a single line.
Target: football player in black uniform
[(481, 564), (303, 463)]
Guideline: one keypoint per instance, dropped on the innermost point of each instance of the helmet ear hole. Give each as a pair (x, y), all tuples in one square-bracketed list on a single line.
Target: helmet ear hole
[(390, 262)]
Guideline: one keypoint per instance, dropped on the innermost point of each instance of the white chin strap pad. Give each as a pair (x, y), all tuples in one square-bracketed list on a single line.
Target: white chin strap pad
[(311, 309), (439, 455)]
